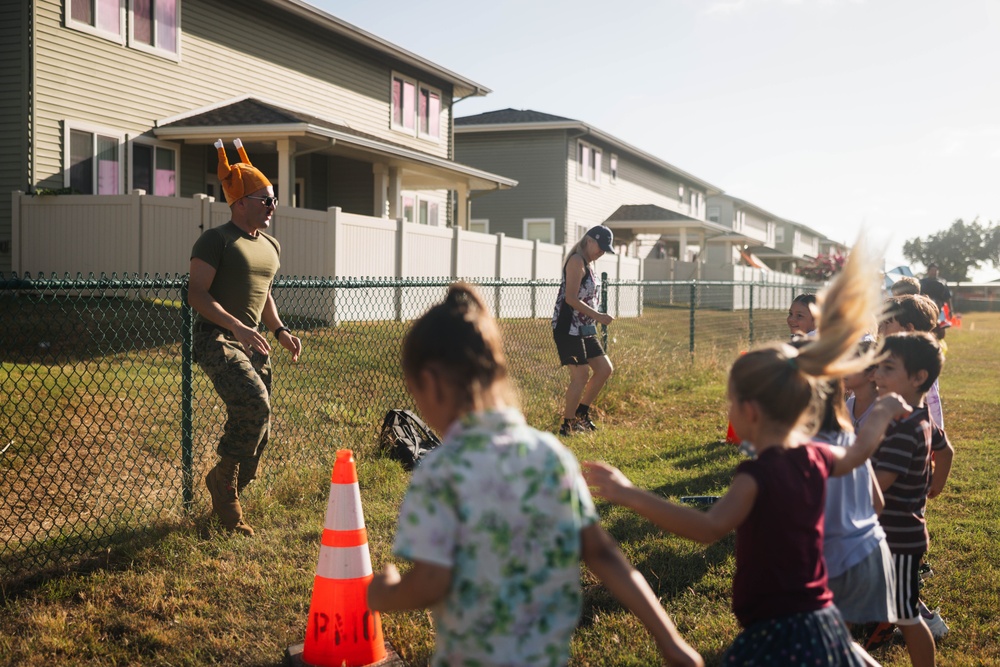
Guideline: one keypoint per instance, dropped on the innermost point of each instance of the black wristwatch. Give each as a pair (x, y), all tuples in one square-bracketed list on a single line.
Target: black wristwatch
[(277, 332)]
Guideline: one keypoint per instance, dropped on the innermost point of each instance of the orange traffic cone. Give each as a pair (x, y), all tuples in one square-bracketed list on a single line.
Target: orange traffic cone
[(341, 629)]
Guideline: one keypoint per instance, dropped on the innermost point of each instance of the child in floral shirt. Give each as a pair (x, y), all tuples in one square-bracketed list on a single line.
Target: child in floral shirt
[(498, 518)]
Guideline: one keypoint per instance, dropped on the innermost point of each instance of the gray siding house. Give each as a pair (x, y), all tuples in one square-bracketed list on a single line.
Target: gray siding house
[(794, 245), (112, 96), (572, 176), (756, 226)]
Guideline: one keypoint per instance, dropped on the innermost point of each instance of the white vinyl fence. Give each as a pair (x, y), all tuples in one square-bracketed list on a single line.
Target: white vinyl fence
[(140, 234)]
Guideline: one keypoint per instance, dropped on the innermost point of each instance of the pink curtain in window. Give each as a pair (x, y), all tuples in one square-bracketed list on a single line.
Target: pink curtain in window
[(142, 21), (107, 166), (409, 104), (107, 177), (166, 25), (109, 15), (166, 183), (422, 111), (434, 115), (397, 102)]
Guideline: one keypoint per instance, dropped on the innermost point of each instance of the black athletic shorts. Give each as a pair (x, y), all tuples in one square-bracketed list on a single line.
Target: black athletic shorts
[(576, 350)]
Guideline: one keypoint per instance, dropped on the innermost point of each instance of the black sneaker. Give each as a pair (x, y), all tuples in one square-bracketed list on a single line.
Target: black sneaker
[(585, 424), (569, 428)]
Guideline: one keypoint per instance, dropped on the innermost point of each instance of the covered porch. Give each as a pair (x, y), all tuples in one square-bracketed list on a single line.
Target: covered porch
[(660, 233), (319, 162)]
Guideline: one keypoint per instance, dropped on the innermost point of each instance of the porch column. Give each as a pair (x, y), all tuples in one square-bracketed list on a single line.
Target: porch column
[(682, 242), (395, 192), (702, 250), (462, 218), (286, 171), (381, 189)]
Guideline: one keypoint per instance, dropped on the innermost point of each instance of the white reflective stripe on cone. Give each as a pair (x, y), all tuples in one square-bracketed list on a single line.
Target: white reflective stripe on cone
[(344, 562), (343, 510)]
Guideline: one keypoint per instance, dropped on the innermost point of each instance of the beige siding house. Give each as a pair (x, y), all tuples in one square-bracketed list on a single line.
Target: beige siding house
[(572, 176), (113, 97)]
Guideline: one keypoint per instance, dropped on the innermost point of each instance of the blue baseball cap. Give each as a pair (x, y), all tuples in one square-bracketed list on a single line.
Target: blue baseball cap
[(604, 237)]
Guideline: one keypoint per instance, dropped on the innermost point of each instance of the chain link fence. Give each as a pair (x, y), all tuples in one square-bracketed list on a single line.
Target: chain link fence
[(107, 427)]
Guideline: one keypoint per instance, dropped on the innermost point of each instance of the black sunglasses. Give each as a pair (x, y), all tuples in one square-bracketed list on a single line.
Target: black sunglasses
[(267, 201)]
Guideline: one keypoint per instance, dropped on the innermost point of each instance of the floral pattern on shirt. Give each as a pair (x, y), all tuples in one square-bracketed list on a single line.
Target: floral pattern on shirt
[(502, 505)]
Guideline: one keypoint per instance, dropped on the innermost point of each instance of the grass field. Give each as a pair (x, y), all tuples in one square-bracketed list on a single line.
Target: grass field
[(181, 593)]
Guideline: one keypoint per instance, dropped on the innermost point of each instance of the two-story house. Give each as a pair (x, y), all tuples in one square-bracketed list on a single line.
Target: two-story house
[(572, 176), (794, 245), (756, 226), (114, 96)]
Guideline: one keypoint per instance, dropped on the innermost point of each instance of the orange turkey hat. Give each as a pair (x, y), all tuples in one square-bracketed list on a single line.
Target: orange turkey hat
[(240, 179)]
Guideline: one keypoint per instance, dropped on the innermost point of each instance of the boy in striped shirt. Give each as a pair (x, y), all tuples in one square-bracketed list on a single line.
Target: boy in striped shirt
[(907, 476)]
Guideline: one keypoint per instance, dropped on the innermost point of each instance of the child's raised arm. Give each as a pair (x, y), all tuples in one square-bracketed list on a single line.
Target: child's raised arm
[(870, 434), (606, 560), (422, 586), (705, 527)]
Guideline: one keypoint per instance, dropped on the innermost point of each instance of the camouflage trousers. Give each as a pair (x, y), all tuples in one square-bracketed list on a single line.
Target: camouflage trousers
[(244, 384)]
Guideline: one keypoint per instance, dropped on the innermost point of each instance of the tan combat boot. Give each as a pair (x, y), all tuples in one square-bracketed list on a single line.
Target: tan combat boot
[(247, 473), (221, 483)]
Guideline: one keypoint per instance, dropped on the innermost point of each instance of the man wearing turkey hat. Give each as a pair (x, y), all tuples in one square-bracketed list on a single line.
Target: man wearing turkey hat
[(232, 269)]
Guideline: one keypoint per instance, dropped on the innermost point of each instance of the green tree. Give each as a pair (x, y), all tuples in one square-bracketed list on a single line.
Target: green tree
[(958, 250)]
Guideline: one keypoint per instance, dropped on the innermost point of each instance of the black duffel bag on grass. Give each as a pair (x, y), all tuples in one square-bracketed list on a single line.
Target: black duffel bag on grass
[(405, 438)]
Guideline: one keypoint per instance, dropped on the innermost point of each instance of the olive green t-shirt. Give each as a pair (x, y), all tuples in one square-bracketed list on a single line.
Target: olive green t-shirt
[(245, 267)]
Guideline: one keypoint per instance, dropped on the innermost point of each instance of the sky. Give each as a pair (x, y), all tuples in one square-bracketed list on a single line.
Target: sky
[(844, 115)]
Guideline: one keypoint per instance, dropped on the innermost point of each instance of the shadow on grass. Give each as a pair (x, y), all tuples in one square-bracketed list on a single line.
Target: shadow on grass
[(60, 557)]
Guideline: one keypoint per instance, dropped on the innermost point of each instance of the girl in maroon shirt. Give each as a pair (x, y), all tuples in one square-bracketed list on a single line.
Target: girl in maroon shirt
[(776, 501)]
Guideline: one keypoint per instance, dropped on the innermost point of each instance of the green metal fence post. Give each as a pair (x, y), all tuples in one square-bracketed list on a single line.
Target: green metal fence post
[(694, 296), (751, 313), (187, 430), (604, 308)]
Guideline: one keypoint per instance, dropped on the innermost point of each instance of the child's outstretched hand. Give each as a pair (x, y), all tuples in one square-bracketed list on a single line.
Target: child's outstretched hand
[(893, 405), (605, 481)]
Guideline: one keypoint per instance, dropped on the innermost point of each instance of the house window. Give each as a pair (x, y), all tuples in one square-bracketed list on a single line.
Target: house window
[(409, 208), (155, 25), (542, 229), (92, 161), (588, 163), (714, 214), (680, 192), (779, 234), (416, 108), (614, 168), (429, 113), (404, 97), (154, 169), (100, 17), (482, 226)]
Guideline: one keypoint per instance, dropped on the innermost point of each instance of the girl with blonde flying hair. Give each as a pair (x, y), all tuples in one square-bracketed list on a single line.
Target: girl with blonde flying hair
[(776, 501)]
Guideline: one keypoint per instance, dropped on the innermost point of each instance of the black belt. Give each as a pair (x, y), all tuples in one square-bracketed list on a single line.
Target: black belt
[(206, 327)]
